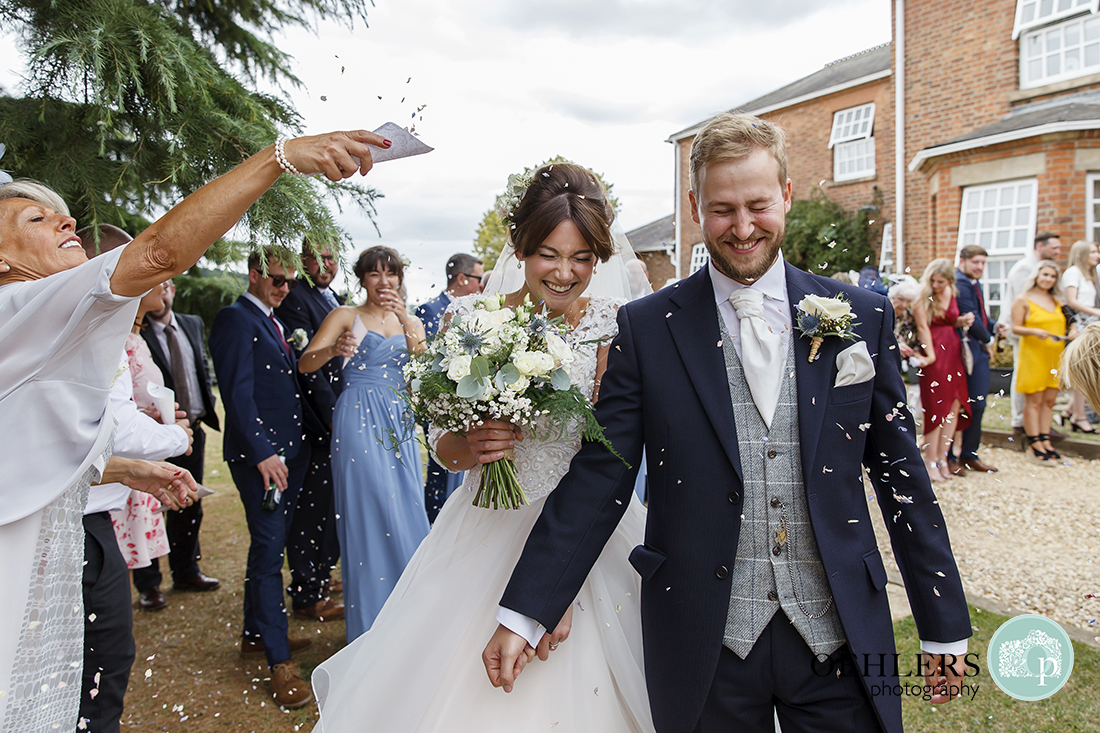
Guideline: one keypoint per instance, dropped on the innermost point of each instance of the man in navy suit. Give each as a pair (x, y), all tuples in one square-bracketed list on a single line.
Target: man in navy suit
[(313, 549), (265, 447), (464, 273), (177, 342), (964, 453), (733, 633)]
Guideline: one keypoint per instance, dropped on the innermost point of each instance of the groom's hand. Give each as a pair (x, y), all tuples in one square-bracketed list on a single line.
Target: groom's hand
[(505, 656), (946, 676)]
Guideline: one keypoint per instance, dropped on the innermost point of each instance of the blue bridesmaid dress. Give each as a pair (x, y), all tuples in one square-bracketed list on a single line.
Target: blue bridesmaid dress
[(379, 492)]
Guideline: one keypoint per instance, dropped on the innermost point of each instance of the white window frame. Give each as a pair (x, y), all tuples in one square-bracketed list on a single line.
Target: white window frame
[(842, 149), (859, 130), (699, 257), (1008, 255), (1091, 202), (1042, 34), (1021, 25)]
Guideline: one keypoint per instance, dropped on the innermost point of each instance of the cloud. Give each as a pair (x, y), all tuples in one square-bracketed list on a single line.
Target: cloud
[(591, 110), (655, 18)]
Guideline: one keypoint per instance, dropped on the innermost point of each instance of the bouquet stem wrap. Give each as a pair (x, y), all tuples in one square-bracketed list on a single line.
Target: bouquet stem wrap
[(499, 487), (815, 344)]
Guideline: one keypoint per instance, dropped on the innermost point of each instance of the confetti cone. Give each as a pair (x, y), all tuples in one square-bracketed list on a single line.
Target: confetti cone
[(814, 346)]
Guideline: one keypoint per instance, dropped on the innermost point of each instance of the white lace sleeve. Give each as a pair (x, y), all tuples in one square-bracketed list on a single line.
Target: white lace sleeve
[(599, 321), (434, 436)]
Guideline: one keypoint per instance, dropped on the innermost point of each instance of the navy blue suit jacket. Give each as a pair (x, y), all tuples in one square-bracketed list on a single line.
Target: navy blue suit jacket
[(306, 308), (263, 414), (978, 331), (194, 329), (432, 312), (665, 389)]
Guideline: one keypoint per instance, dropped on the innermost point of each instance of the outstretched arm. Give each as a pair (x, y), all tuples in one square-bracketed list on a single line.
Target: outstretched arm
[(178, 239)]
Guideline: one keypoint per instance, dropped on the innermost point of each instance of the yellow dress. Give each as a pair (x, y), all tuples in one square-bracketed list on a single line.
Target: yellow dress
[(1037, 363)]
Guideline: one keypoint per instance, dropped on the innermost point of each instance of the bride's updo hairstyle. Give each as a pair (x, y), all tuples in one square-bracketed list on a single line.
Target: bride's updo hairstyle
[(558, 192), (379, 258)]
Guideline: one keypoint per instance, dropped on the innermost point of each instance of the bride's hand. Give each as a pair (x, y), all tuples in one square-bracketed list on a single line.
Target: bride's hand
[(489, 440), (550, 642)]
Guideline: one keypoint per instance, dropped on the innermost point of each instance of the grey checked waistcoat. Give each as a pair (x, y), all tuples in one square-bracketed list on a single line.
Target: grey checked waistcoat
[(764, 578)]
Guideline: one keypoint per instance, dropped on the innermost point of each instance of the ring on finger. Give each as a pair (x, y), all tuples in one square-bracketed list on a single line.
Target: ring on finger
[(554, 645)]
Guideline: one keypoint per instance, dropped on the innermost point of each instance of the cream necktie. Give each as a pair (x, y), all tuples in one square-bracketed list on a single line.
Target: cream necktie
[(760, 351)]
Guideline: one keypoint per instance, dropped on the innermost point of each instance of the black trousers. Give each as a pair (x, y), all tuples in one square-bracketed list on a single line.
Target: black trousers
[(313, 548), (108, 627), (778, 678), (182, 527)]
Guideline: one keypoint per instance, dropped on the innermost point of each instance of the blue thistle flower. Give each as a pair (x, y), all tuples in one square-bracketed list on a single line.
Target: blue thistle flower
[(808, 323), (470, 342)]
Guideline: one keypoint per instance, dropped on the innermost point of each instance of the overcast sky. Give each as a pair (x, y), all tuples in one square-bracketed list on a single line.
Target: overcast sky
[(508, 83)]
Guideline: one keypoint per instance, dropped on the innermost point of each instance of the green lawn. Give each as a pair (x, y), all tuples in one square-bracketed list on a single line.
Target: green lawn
[(1076, 707), (998, 414)]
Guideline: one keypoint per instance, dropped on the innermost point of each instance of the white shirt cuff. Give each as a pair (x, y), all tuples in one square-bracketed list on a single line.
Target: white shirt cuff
[(939, 648), (517, 623)]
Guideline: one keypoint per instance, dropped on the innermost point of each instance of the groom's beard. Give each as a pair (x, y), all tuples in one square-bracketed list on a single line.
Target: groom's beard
[(745, 269)]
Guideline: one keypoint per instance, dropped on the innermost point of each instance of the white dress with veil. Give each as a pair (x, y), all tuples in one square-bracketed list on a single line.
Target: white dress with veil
[(419, 668)]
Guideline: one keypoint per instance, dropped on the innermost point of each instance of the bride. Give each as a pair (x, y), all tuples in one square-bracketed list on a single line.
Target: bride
[(419, 667)]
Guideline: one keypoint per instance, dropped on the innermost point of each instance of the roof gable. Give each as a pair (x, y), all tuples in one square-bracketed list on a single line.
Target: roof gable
[(860, 68)]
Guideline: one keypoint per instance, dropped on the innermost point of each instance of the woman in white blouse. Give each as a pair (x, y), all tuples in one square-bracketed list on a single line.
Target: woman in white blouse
[(63, 322), (1079, 282)]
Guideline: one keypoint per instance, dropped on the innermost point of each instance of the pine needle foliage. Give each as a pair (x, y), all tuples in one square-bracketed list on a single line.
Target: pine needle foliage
[(130, 105)]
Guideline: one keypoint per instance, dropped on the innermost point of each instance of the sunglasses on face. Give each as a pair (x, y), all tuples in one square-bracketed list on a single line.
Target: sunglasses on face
[(473, 277), (280, 280)]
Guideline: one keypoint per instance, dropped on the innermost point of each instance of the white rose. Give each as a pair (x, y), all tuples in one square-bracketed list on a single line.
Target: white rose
[(492, 303), (459, 367), (558, 349), (533, 363), (831, 308)]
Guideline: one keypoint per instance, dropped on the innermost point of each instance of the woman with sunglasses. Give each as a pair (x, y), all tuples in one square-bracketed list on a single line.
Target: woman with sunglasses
[(377, 483)]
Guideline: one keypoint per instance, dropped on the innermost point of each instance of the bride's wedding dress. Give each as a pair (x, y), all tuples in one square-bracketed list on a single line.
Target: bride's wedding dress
[(419, 668)]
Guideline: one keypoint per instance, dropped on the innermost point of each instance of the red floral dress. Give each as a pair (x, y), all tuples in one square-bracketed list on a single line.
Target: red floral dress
[(139, 527)]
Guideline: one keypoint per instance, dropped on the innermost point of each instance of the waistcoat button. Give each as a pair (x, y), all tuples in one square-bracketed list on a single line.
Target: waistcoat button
[(721, 572), (734, 497)]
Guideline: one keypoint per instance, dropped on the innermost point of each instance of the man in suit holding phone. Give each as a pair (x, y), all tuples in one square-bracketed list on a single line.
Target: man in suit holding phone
[(265, 448)]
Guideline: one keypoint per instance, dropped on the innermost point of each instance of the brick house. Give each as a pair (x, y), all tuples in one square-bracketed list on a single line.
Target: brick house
[(839, 122), (654, 244), (1001, 102)]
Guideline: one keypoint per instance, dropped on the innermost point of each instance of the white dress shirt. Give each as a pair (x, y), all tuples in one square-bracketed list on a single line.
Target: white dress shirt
[(136, 436), (1017, 279), (772, 285), (189, 357)]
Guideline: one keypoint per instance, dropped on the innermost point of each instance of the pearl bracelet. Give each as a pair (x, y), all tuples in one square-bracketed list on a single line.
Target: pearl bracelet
[(280, 157)]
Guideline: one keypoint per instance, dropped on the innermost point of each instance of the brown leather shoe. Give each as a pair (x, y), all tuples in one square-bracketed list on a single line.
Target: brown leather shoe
[(197, 582), (955, 468), (323, 610), (975, 464), (255, 646), (291, 691), (152, 600)]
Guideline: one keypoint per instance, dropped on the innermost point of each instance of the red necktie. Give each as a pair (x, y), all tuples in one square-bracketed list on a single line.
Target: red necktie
[(286, 346), (981, 303)]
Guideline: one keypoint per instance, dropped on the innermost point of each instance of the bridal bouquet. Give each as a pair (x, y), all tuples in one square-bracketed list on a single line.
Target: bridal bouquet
[(499, 363)]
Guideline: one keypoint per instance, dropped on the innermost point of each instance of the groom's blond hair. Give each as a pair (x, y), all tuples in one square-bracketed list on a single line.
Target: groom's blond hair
[(730, 136)]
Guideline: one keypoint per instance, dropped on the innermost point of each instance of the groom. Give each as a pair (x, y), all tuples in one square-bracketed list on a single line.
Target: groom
[(763, 591)]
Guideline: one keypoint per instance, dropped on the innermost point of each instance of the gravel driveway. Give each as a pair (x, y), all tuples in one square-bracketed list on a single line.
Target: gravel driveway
[(1027, 536)]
